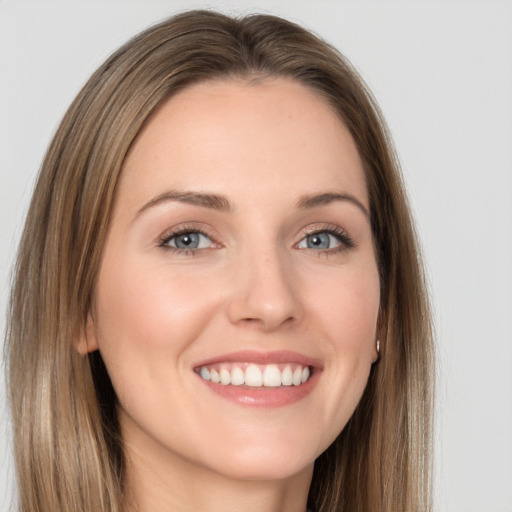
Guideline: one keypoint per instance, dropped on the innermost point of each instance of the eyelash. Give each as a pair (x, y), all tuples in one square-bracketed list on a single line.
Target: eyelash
[(183, 230), (346, 241)]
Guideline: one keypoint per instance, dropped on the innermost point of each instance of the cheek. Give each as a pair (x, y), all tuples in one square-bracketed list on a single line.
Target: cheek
[(346, 310), (347, 305), (145, 320), (355, 326), (141, 306), (146, 317)]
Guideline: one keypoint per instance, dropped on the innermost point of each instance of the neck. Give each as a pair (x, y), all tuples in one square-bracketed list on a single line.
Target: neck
[(183, 486)]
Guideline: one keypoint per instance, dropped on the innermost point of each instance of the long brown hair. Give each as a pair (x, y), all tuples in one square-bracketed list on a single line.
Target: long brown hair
[(68, 451)]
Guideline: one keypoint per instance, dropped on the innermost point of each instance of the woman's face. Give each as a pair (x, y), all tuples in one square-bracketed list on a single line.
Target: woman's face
[(239, 250)]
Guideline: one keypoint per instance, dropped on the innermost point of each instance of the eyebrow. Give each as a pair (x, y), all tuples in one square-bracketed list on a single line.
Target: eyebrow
[(211, 201), (325, 198)]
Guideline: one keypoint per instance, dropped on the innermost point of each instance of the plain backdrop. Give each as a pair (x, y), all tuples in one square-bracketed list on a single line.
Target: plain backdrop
[(442, 72)]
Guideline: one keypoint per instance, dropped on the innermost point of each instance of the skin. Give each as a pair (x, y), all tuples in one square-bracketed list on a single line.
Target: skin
[(254, 284)]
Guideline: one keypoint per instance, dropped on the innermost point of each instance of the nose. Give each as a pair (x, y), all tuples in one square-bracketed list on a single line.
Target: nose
[(264, 293)]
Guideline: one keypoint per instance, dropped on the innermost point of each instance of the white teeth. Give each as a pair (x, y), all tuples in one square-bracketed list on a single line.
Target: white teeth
[(237, 376), (253, 376), (214, 376), (287, 376), (225, 377), (297, 376), (270, 375)]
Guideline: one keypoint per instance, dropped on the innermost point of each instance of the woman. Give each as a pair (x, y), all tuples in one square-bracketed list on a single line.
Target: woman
[(218, 299)]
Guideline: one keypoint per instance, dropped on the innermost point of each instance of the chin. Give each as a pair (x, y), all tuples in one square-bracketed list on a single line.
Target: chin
[(272, 461), (272, 469)]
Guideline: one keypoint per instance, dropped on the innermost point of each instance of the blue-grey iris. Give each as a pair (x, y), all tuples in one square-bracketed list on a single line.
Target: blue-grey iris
[(318, 241), (187, 241)]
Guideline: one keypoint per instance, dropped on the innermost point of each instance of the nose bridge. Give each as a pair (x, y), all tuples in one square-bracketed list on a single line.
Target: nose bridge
[(264, 291)]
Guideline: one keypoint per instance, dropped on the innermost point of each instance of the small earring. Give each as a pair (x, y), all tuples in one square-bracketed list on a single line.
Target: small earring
[(378, 352)]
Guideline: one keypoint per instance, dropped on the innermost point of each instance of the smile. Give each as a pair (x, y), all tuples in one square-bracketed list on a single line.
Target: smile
[(252, 375), (260, 379)]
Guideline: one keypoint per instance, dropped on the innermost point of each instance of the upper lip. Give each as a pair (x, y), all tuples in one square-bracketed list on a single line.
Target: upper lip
[(262, 357)]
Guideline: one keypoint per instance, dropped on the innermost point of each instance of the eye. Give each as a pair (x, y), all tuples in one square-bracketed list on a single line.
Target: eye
[(326, 240), (187, 241), (321, 240)]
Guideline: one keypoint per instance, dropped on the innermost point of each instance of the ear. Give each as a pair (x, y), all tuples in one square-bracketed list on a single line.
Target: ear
[(87, 341)]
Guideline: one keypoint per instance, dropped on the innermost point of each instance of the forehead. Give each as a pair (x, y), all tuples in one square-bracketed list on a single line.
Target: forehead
[(266, 133)]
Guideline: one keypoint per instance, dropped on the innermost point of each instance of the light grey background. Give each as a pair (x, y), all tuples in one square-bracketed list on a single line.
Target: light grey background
[(442, 72)]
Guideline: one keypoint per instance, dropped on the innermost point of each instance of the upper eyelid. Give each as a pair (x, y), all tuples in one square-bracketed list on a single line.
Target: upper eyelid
[(170, 233), (320, 228), (324, 227), (188, 227)]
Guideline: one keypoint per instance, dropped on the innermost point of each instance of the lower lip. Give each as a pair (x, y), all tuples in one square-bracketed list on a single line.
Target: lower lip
[(266, 397)]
